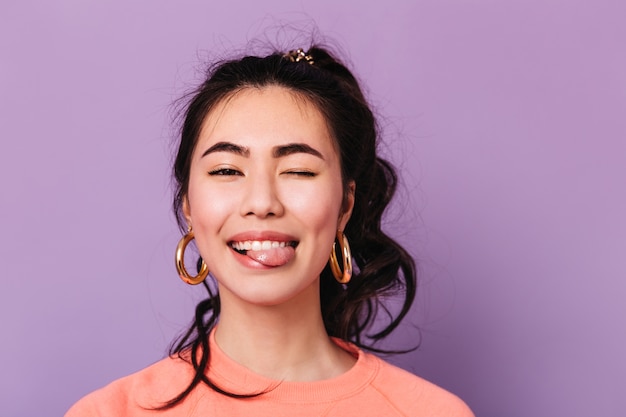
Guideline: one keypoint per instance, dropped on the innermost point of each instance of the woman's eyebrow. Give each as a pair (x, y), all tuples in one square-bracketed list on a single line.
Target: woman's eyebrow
[(289, 149), (227, 147)]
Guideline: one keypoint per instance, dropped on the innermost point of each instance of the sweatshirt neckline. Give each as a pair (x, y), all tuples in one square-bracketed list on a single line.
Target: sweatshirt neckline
[(237, 379)]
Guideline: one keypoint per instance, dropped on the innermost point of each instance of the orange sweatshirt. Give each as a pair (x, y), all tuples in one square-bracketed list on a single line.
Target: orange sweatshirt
[(371, 387)]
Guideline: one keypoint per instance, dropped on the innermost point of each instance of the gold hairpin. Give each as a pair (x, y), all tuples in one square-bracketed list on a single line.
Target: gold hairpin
[(298, 55)]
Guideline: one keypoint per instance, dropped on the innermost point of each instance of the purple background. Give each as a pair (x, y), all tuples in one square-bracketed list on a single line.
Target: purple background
[(508, 119)]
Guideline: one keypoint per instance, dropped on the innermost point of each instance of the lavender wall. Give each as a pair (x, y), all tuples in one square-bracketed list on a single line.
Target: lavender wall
[(509, 122)]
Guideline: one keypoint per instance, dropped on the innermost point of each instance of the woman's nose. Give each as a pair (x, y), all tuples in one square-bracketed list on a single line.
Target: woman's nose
[(261, 198)]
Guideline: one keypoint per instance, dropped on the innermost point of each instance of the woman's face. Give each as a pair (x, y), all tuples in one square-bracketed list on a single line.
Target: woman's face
[(265, 196)]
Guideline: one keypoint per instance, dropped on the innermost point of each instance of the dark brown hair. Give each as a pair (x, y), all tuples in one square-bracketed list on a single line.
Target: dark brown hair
[(383, 267)]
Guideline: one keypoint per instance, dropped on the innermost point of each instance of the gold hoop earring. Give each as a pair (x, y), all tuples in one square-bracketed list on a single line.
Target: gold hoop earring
[(346, 254), (180, 261)]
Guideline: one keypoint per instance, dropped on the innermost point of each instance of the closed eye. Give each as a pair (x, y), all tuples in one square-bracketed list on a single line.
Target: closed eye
[(301, 173), (224, 172)]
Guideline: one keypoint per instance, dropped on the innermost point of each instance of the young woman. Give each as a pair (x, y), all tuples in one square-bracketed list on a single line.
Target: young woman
[(281, 188)]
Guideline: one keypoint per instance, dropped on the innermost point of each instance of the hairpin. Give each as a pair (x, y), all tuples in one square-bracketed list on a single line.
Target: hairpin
[(298, 55)]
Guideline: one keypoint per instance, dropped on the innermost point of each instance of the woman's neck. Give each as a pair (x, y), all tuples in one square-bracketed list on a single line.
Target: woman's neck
[(286, 342)]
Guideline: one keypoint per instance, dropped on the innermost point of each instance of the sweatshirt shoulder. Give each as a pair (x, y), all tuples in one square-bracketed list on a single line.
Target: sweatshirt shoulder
[(136, 394), (415, 396)]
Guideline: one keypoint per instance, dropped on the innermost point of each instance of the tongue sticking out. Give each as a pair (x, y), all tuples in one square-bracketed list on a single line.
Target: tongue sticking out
[(272, 257)]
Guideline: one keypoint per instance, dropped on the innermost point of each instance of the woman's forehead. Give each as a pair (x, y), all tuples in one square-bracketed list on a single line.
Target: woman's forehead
[(266, 116)]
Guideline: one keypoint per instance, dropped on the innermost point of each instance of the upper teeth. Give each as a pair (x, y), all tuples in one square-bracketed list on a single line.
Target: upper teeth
[(258, 245)]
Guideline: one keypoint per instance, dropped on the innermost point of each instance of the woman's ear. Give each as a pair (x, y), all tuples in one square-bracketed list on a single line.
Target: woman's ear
[(186, 210), (348, 205)]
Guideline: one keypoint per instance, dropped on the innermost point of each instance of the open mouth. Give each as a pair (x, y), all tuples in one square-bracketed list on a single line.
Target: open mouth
[(260, 245)]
